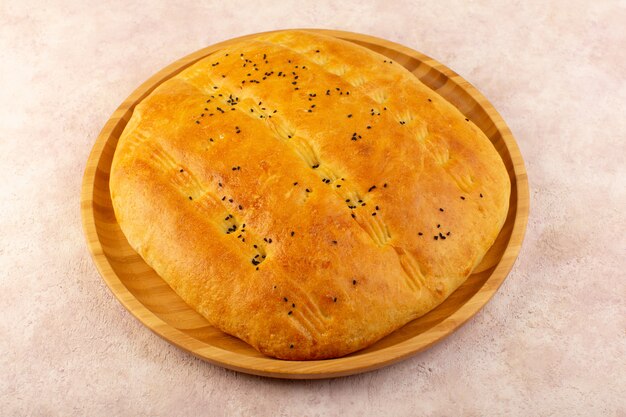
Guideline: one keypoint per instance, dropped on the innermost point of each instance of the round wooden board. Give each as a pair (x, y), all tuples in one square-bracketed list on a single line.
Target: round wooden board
[(156, 305)]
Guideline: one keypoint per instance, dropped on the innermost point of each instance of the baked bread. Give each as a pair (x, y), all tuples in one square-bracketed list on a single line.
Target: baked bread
[(305, 194)]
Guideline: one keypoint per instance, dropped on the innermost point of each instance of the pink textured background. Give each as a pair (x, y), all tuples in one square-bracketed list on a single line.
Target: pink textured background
[(551, 342)]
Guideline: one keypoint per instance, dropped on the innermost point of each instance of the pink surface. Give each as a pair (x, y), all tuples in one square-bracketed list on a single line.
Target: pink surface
[(551, 342)]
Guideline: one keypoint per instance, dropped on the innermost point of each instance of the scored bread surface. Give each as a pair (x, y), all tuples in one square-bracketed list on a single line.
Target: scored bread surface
[(305, 194)]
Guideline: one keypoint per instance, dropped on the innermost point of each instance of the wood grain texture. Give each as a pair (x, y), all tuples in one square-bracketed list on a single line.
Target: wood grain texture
[(157, 306)]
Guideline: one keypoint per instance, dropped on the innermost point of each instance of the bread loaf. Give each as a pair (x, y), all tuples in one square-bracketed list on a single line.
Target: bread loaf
[(305, 194)]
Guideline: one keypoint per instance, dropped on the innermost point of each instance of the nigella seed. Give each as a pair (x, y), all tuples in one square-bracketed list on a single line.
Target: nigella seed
[(436, 237), (290, 346), (481, 195), (293, 233)]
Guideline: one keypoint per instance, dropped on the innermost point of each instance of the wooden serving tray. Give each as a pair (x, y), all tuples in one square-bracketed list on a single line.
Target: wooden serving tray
[(156, 305)]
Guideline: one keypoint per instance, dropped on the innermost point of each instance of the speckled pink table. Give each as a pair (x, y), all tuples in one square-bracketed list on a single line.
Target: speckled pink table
[(551, 342)]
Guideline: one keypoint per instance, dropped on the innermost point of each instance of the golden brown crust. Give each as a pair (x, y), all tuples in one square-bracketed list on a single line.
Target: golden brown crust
[(306, 195)]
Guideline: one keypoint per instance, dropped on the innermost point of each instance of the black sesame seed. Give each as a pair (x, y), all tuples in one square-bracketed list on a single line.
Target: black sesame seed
[(354, 282), (420, 233), (290, 346), (293, 233), (440, 209), (190, 198), (290, 313), (462, 198), (436, 237)]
